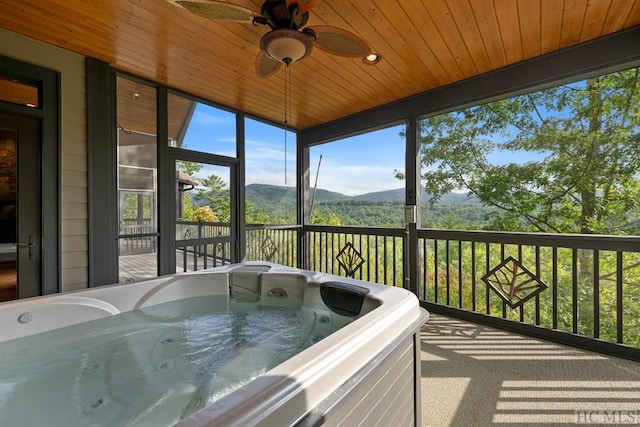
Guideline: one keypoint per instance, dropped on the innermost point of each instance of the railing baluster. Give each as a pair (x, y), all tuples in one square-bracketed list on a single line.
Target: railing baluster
[(473, 276), (504, 305), (376, 252), (393, 240), (487, 268), (537, 297), (574, 290), (184, 259), (333, 251), (206, 247), (360, 251), (435, 270), (460, 274), (448, 272), (384, 258), (596, 294), (368, 258), (521, 261), (554, 284), (619, 308), (325, 251), (425, 270)]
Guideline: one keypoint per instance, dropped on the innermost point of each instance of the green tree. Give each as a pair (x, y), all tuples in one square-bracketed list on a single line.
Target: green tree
[(325, 218), (190, 168), (216, 192), (197, 213), (254, 215), (586, 135)]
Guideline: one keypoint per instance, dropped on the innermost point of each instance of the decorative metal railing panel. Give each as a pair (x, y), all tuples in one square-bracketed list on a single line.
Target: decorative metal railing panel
[(350, 259), (513, 282)]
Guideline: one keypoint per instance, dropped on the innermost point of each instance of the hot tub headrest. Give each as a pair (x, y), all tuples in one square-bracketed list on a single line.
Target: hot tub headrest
[(343, 298), (244, 282)]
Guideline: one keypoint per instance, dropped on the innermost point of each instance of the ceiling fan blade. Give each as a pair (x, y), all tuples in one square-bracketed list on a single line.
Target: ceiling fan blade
[(213, 9), (304, 5), (266, 66), (340, 42)]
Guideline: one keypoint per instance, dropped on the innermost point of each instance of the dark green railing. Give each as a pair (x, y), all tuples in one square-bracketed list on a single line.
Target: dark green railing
[(585, 288), (593, 282), (273, 243), (381, 251), (202, 245)]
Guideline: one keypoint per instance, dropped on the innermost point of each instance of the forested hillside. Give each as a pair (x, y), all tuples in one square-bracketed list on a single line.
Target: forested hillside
[(276, 204)]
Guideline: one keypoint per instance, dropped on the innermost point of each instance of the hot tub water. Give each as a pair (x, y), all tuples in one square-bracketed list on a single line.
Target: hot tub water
[(152, 366)]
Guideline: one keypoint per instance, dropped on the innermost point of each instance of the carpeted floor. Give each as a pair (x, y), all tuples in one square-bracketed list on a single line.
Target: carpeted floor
[(474, 375)]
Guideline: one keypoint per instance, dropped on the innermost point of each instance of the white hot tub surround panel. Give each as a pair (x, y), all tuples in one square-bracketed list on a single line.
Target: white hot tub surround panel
[(285, 394)]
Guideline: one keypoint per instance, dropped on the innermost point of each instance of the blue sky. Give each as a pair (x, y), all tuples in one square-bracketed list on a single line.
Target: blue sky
[(360, 164), (356, 165), (351, 166)]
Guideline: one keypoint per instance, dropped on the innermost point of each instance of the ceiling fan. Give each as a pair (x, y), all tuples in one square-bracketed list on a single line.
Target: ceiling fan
[(288, 39)]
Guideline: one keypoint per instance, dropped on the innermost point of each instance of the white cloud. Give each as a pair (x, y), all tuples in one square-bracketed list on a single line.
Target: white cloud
[(348, 180), (265, 164)]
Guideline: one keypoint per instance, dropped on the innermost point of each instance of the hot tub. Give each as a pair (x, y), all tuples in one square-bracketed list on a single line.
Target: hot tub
[(359, 361)]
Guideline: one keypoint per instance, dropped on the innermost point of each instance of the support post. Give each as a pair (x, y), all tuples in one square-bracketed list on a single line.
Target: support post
[(302, 201), (241, 237), (412, 203)]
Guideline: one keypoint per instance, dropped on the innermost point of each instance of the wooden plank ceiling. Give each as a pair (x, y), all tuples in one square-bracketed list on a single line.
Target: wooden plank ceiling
[(424, 45)]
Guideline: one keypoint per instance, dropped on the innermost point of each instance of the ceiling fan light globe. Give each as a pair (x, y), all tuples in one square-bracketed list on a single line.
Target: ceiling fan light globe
[(285, 45)]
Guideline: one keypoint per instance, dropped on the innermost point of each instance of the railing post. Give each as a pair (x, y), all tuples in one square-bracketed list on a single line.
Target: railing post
[(200, 236), (302, 197), (413, 259), (412, 204)]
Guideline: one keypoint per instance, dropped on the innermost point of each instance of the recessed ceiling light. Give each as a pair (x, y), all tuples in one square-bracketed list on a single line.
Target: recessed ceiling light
[(372, 59)]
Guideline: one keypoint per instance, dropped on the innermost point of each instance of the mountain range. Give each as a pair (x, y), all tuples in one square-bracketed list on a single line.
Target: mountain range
[(260, 192)]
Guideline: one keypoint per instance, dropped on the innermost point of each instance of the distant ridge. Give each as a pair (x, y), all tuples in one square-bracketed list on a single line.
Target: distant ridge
[(277, 192), (264, 192), (397, 195)]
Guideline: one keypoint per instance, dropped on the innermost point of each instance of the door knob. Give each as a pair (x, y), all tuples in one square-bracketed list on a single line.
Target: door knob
[(30, 244)]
